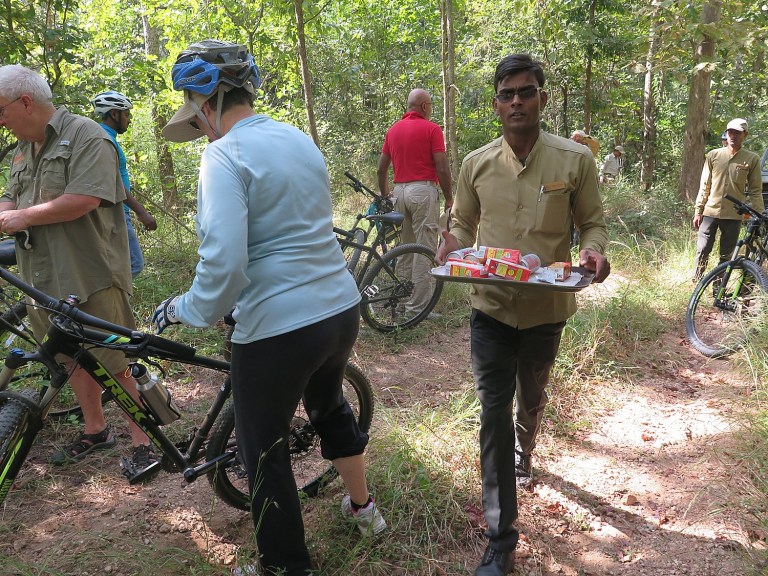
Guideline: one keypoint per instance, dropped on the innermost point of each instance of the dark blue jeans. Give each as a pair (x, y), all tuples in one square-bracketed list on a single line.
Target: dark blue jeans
[(508, 364), (269, 379)]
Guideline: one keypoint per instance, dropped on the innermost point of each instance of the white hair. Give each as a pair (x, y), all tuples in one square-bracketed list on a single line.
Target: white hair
[(16, 80)]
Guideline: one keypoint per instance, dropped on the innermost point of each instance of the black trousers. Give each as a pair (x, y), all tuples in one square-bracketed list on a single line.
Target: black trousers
[(508, 364), (269, 378), (705, 241)]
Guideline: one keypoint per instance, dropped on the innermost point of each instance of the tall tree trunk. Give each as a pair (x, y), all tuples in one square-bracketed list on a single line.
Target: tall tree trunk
[(588, 72), (449, 88), (164, 159), (306, 77), (649, 110), (698, 105)]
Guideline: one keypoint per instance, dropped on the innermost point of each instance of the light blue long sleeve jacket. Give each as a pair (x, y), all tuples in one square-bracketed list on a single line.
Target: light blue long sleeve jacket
[(267, 244)]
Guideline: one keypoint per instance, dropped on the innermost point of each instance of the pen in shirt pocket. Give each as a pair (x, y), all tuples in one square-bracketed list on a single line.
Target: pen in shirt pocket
[(541, 191)]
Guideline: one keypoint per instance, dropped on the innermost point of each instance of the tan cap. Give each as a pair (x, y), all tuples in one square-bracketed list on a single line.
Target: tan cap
[(179, 128), (579, 133), (619, 149), (738, 124)]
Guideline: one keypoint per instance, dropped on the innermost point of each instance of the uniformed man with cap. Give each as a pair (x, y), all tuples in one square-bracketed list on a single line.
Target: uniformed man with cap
[(729, 170)]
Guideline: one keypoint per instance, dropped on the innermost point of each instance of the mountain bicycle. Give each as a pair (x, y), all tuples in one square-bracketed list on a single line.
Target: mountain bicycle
[(384, 277), (730, 301), (360, 233), (209, 449)]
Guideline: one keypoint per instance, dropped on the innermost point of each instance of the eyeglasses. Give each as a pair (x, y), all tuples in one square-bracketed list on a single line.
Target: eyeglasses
[(525, 93), (2, 108)]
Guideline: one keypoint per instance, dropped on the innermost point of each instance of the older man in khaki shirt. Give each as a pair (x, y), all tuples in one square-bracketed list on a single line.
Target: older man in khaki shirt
[(521, 191), (65, 189)]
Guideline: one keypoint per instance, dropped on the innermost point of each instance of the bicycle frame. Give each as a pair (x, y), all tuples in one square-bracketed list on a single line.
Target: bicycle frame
[(754, 245), (346, 240), (66, 336)]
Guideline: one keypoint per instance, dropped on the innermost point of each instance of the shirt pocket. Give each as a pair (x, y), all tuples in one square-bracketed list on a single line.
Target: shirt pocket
[(53, 175), (739, 173), (18, 179), (552, 208)]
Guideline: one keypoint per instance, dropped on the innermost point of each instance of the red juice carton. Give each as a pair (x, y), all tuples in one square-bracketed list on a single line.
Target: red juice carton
[(505, 254), (508, 270), (467, 269)]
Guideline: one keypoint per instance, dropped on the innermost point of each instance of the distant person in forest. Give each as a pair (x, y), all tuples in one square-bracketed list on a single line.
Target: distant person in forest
[(114, 110), (583, 138), (730, 170), (415, 147), (612, 166), (724, 139)]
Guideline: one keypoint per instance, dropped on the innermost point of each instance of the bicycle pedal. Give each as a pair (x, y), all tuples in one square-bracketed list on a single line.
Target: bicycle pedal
[(136, 475)]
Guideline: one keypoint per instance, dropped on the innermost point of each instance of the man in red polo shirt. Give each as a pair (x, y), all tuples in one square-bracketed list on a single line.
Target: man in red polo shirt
[(416, 149)]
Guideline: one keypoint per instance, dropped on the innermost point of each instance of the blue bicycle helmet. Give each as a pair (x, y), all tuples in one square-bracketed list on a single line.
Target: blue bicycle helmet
[(206, 64)]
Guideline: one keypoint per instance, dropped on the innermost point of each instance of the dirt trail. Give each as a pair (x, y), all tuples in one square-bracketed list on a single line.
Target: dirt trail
[(650, 490)]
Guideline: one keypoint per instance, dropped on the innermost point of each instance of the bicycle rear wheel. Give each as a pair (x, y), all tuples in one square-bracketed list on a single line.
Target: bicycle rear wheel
[(722, 312), (390, 300), (358, 236), (311, 471)]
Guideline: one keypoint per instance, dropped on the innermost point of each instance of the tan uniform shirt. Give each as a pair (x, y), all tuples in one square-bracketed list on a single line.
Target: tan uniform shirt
[(501, 203), (90, 253), (723, 174)]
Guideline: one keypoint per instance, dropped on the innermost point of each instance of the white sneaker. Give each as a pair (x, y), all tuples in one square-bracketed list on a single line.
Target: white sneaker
[(369, 520), (248, 570)]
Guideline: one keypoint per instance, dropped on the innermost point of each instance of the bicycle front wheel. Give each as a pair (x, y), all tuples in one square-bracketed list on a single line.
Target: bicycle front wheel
[(15, 438), (311, 471), (65, 406), (726, 305), (398, 291)]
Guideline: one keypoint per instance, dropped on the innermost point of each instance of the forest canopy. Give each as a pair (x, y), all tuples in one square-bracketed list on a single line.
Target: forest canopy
[(661, 78)]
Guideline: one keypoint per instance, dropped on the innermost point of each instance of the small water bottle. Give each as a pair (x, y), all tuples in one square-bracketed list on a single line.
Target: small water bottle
[(155, 396), (531, 261)]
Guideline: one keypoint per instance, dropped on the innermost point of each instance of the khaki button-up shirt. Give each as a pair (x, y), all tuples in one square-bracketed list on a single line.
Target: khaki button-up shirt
[(723, 174), (502, 203), (89, 253)]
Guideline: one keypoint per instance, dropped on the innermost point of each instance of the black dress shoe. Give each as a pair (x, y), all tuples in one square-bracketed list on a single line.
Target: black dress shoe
[(496, 563)]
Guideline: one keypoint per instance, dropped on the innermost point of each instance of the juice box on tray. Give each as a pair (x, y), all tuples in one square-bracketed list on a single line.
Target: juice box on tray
[(467, 269), (561, 269), (505, 254), (508, 270)]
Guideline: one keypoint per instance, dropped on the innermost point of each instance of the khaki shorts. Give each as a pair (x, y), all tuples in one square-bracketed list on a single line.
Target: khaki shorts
[(111, 304)]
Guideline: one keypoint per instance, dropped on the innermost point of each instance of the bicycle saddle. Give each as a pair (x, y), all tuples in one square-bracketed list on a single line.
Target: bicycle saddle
[(394, 218), (7, 252)]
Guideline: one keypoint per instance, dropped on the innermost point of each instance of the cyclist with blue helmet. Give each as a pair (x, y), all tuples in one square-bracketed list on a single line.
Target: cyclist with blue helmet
[(114, 109), (267, 248)]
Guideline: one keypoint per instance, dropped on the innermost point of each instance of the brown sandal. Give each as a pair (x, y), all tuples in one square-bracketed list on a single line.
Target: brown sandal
[(82, 446)]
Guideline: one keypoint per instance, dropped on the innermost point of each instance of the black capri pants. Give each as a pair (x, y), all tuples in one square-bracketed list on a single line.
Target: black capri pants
[(269, 378)]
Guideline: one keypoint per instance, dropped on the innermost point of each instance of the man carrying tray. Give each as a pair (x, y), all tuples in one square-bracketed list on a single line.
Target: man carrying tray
[(521, 191)]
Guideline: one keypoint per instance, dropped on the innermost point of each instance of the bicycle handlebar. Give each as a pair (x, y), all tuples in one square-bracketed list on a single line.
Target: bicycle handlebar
[(69, 310), (383, 204), (742, 208)]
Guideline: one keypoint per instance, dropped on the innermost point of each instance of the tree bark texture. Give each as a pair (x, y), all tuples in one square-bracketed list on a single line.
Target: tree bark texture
[(698, 106), (306, 77), (449, 89), (164, 159)]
